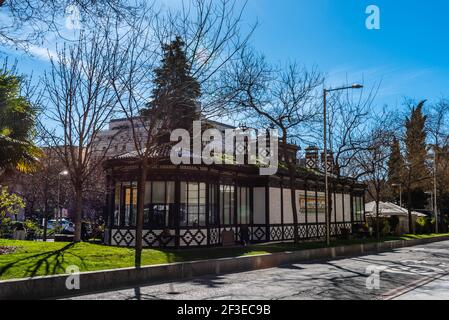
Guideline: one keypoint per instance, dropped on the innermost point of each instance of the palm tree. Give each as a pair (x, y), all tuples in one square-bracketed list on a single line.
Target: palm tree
[(17, 119)]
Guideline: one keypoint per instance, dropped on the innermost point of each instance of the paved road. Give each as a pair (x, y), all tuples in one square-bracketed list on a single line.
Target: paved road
[(435, 290), (407, 273)]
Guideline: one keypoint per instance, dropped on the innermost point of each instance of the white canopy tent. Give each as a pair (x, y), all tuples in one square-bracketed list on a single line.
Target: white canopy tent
[(388, 209)]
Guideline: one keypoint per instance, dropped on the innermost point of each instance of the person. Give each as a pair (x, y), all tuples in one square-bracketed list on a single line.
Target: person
[(244, 235), (19, 232)]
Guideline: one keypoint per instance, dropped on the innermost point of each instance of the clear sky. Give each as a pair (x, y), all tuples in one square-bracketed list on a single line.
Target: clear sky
[(409, 54)]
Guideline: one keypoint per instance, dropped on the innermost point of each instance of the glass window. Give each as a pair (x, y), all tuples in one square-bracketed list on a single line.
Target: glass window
[(160, 204), (357, 203), (170, 192), (193, 204), (202, 204), (129, 204), (159, 208), (227, 204), (135, 193), (213, 205), (170, 201), (147, 203), (158, 192), (243, 205), (117, 202)]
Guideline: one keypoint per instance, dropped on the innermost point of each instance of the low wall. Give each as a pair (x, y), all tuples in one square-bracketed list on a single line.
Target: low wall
[(54, 286)]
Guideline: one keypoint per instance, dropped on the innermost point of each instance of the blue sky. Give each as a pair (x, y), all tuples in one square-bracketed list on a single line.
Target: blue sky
[(408, 55)]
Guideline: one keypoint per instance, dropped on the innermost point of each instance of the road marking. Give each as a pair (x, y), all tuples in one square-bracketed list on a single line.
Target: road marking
[(397, 292), (421, 267)]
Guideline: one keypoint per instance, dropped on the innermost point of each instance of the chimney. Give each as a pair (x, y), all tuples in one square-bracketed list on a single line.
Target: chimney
[(330, 162), (312, 158)]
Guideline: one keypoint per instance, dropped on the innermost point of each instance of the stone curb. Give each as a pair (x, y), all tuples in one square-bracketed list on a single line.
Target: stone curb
[(54, 286)]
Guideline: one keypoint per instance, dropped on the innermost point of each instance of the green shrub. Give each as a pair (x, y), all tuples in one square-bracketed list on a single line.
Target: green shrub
[(420, 225), (30, 225), (6, 228), (10, 203), (32, 229), (424, 225)]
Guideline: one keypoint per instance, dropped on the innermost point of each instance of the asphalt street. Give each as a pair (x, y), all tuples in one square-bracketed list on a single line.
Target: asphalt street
[(420, 272)]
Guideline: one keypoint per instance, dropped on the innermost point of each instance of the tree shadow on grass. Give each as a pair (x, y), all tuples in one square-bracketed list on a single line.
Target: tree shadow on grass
[(51, 261)]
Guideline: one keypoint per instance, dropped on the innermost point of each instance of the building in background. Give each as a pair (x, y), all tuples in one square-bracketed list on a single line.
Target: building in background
[(117, 139)]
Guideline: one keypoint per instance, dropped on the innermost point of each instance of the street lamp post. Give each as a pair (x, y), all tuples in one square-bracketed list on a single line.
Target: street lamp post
[(326, 173), (58, 212)]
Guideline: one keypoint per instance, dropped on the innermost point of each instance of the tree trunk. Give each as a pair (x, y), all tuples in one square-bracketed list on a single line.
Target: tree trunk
[(293, 201), (78, 212), (140, 214), (292, 177)]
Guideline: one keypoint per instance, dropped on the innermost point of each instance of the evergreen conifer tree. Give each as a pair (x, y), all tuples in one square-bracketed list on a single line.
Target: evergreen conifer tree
[(176, 92), (416, 152), (395, 163)]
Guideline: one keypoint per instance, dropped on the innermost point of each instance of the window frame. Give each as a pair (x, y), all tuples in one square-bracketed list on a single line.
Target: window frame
[(121, 218), (169, 208), (247, 204), (227, 218), (193, 206)]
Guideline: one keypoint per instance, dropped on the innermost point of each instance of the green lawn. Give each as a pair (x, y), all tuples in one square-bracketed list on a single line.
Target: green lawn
[(39, 258)]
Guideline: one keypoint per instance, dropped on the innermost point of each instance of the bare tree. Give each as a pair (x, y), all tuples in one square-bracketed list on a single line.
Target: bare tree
[(371, 162), (40, 188), (349, 113), (438, 123), (210, 31), (28, 22), (132, 74), (438, 135), (282, 98), (80, 102)]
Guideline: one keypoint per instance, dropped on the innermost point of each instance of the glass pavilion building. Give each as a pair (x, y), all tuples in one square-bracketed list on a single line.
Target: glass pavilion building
[(203, 206)]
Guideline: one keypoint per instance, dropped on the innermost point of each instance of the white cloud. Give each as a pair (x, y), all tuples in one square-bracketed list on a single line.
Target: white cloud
[(42, 53)]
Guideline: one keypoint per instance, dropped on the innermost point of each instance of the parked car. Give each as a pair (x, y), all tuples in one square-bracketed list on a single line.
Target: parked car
[(67, 227)]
